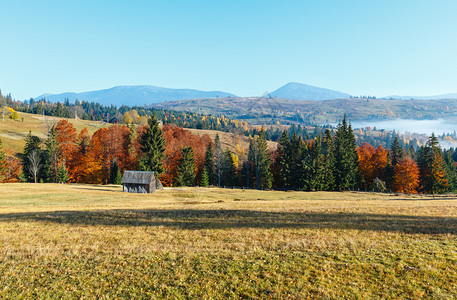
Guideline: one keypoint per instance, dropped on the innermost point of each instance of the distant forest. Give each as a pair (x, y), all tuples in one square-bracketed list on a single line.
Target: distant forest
[(139, 115)]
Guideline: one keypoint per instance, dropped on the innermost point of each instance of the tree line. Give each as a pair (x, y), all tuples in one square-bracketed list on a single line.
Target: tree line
[(328, 162)]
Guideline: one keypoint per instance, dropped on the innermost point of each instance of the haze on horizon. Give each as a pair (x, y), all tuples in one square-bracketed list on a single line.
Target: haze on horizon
[(247, 48)]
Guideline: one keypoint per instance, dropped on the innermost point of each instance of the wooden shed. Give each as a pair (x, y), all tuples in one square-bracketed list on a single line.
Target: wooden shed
[(140, 182)]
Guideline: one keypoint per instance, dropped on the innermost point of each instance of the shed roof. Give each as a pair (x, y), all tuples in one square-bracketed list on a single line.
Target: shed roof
[(138, 177)]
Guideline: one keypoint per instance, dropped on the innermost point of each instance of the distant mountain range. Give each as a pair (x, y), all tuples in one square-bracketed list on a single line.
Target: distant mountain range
[(138, 95), (299, 91)]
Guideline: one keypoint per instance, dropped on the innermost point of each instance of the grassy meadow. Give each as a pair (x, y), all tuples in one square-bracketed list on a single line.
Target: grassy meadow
[(14, 132), (87, 241)]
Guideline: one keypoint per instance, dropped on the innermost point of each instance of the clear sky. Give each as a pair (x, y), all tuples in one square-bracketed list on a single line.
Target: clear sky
[(369, 47)]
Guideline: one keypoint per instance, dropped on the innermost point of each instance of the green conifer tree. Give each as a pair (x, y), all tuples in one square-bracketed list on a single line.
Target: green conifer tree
[(52, 156), (32, 143), (205, 178), (153, 147), (209, 164), (330, 163), (346, 157), (115, 173), (433, 177), (62, 174), (186, 169), (260, 157)]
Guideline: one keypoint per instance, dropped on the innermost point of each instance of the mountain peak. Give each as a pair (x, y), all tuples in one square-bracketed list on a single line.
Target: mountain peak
[(300, 91)]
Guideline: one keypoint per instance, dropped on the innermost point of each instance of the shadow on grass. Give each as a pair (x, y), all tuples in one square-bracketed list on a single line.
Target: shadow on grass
[(225, 219)]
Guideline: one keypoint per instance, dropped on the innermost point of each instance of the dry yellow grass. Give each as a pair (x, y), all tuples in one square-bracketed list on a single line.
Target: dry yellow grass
[(13, 132), (96, 241)]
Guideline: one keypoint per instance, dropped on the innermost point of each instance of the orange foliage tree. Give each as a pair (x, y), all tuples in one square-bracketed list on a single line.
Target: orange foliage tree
[(372, 162), (10, 168), (109, 144), (66, 137), (177, 138), (406, 176), (78, 169)]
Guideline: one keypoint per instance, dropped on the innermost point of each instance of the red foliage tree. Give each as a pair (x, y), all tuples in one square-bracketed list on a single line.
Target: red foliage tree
[(177, 138), (406, 176), (11, 167), (372, 162)]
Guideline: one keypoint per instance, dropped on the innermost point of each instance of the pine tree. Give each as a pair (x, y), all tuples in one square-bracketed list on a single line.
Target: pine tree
[(281, 160), (218, 159), (433, 177), (319, 174), (205, 178), (115, 173), (260, 158), (346, 157), (396, 152), (32, 145), (229, 169), (330, 163), (62, 174), (186, 169), (52, 156), (153, 147), (209, 164), (2, 161), (451, 171)]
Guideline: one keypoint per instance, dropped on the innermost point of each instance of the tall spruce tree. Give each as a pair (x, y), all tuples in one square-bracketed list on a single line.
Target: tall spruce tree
[(186, 168), (330, 162), (281, 160), (319, 173), (115, 173), (218, 159), (32, 144), (346, 157), (396, 152), (209, 164), (229, 169), (52, 156), (433, 177), (2, 160), (260, 157), (451, 171), (153, 147)]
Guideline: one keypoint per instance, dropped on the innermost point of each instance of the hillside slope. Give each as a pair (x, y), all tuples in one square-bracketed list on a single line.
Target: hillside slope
[(13, 132)]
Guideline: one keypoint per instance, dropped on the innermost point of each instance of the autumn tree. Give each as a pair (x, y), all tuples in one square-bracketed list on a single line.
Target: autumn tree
[(11, 166), (66, 138), (406, 176), (372, 163)]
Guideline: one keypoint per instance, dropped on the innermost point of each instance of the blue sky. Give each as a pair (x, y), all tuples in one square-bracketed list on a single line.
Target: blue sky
[(244, 47)]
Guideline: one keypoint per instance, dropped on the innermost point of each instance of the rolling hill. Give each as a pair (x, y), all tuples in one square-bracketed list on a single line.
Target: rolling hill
[(138, 95)]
